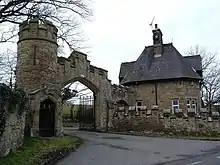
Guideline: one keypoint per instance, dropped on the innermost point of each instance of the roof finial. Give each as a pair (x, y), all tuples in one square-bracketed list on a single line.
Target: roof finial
[(156, 26)]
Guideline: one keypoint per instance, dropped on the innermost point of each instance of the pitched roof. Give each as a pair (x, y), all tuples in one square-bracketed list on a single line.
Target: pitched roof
[(125, 68), (194, 61), (147, 67)]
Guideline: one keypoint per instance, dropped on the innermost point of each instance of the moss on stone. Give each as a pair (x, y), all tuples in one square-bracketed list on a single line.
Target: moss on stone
[(11, 100)]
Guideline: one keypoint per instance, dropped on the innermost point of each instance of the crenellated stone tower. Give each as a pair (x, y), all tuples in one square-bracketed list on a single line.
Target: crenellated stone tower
[(37, 74), (37, 55)]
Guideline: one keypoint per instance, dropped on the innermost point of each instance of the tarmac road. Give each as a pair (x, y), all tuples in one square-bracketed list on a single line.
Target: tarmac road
[(114, 149)]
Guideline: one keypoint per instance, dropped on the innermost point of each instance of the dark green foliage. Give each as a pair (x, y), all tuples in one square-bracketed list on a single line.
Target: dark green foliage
[(10, 101), (2, 121), (21, 100), (67, 94)]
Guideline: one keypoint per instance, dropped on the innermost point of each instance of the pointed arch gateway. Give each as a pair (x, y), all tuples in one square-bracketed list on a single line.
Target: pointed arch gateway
[(78, 68), (87, 105)]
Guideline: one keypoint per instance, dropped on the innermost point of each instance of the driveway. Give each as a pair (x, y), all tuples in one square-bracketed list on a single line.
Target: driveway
[(113, 149)]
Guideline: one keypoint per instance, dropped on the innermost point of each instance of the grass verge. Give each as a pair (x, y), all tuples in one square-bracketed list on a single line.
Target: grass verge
[(43, 151)]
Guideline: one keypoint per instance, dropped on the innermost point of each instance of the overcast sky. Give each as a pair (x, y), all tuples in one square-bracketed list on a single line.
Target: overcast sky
[(120, 28)]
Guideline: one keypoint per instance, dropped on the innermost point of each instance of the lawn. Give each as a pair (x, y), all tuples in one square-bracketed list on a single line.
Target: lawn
[(37, 150)]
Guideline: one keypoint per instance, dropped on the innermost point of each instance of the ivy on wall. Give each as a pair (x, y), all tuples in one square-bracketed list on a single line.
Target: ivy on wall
[(11, 100)]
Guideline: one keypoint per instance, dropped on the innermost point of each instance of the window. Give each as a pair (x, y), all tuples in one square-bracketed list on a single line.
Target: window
[(188, 103), (34, 54), (175, 106), (191, 104), (194, 104), (139, 103)]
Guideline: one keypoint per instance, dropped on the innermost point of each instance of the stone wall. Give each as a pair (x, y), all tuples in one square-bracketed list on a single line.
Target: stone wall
[(127, 94), (163, 92), (153, 121), (13, 135)]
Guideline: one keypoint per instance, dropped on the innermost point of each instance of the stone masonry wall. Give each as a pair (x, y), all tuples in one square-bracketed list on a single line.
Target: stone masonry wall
[(13, 136), (37, 56), (153, 122), (166, 91)]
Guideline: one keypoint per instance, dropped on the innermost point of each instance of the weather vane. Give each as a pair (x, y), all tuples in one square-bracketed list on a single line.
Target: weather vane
[(151, 24)]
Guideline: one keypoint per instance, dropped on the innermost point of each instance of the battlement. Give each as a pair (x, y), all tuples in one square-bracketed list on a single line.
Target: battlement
[(77, 60), (35, 29), (97, 70)]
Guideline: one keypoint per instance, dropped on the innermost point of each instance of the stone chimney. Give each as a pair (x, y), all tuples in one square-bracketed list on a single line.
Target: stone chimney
[(157, 41)]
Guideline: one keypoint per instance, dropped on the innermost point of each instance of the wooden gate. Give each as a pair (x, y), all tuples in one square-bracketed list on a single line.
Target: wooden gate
[(47, 118)]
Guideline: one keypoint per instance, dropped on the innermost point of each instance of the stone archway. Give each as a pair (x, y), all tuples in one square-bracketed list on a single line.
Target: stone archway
[(89, 115), (47, 118), (78, 68), (84, 81)]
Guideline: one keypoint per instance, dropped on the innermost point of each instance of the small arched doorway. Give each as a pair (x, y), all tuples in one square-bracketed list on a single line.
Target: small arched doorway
[(47, 118), (122, 103)]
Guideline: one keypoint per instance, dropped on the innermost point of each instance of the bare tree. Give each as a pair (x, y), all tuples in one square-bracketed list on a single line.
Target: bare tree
[(211, 75), (65, 14), (211, 88), (208, 58), (7, 67)]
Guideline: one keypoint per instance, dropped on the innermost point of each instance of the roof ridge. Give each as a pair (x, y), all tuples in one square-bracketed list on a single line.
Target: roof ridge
[(192, 56), (128, 62)]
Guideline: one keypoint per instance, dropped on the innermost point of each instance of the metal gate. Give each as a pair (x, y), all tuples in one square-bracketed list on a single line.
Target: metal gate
[(87, 113)]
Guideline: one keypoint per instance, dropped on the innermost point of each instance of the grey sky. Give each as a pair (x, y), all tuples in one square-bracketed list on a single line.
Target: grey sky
[(120, 28)]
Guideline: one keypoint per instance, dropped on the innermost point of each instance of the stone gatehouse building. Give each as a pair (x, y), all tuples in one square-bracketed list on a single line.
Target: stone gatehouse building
[(43, 74), (160, 76)]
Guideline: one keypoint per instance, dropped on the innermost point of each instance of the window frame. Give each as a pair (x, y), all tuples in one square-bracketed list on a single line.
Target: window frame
[(137, 106), (174, 105), (139, 101), (188, 104), (193, 104)]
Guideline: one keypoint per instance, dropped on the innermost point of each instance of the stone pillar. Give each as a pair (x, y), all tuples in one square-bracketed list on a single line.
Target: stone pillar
[(155, 112)]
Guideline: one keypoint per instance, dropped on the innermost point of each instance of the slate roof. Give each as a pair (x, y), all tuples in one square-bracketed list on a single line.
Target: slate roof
[(169, 66), (125, 68), (194, 61)]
